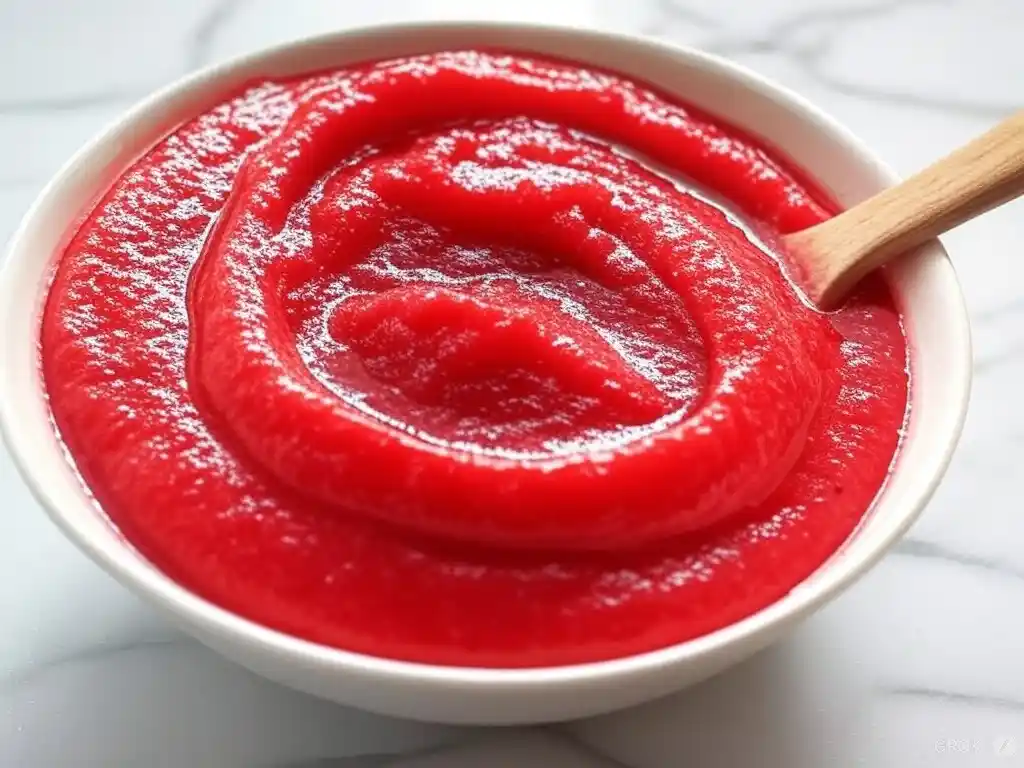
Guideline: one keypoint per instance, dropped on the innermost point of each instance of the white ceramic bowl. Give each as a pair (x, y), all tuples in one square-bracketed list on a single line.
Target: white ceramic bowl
[(925, 286)]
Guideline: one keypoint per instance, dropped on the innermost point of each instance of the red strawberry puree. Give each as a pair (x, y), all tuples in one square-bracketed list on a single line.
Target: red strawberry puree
[(424, 359)]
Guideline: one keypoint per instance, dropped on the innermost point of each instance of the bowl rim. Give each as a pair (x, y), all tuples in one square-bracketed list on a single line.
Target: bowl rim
[(189, 609)]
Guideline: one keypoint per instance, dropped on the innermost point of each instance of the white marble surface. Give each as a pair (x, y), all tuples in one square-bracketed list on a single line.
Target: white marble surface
[(919, 665)]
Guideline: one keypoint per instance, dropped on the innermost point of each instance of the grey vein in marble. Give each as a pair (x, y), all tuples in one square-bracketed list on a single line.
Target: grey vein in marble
[(97, 654), (606, 761), (667, 10), (995, 314), (930, 550), (58, 104), (996, 702), (783, 39), (983, 364), (206, 31)]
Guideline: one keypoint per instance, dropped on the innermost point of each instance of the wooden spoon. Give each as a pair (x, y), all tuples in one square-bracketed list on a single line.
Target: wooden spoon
[(835, 254)]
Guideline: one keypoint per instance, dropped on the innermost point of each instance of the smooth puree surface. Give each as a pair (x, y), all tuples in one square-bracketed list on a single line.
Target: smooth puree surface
[(424, 359)]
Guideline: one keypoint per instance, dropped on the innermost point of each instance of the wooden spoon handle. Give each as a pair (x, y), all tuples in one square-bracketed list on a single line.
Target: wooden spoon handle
[(985, 173)]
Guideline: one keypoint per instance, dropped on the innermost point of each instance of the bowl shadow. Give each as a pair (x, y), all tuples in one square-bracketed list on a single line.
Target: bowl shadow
[(794, 705)]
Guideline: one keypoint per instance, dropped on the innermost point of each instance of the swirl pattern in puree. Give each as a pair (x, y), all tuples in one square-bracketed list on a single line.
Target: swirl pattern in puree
[(424, 358)]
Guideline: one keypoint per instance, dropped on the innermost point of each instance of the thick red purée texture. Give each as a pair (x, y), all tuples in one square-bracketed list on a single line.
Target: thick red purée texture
[(423, 359)]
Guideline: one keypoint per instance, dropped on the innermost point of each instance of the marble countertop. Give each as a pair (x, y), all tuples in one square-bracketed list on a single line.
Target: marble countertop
[(919, 665)]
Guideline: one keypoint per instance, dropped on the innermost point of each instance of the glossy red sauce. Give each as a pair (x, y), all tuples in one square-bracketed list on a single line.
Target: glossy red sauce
[(425, 359)]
